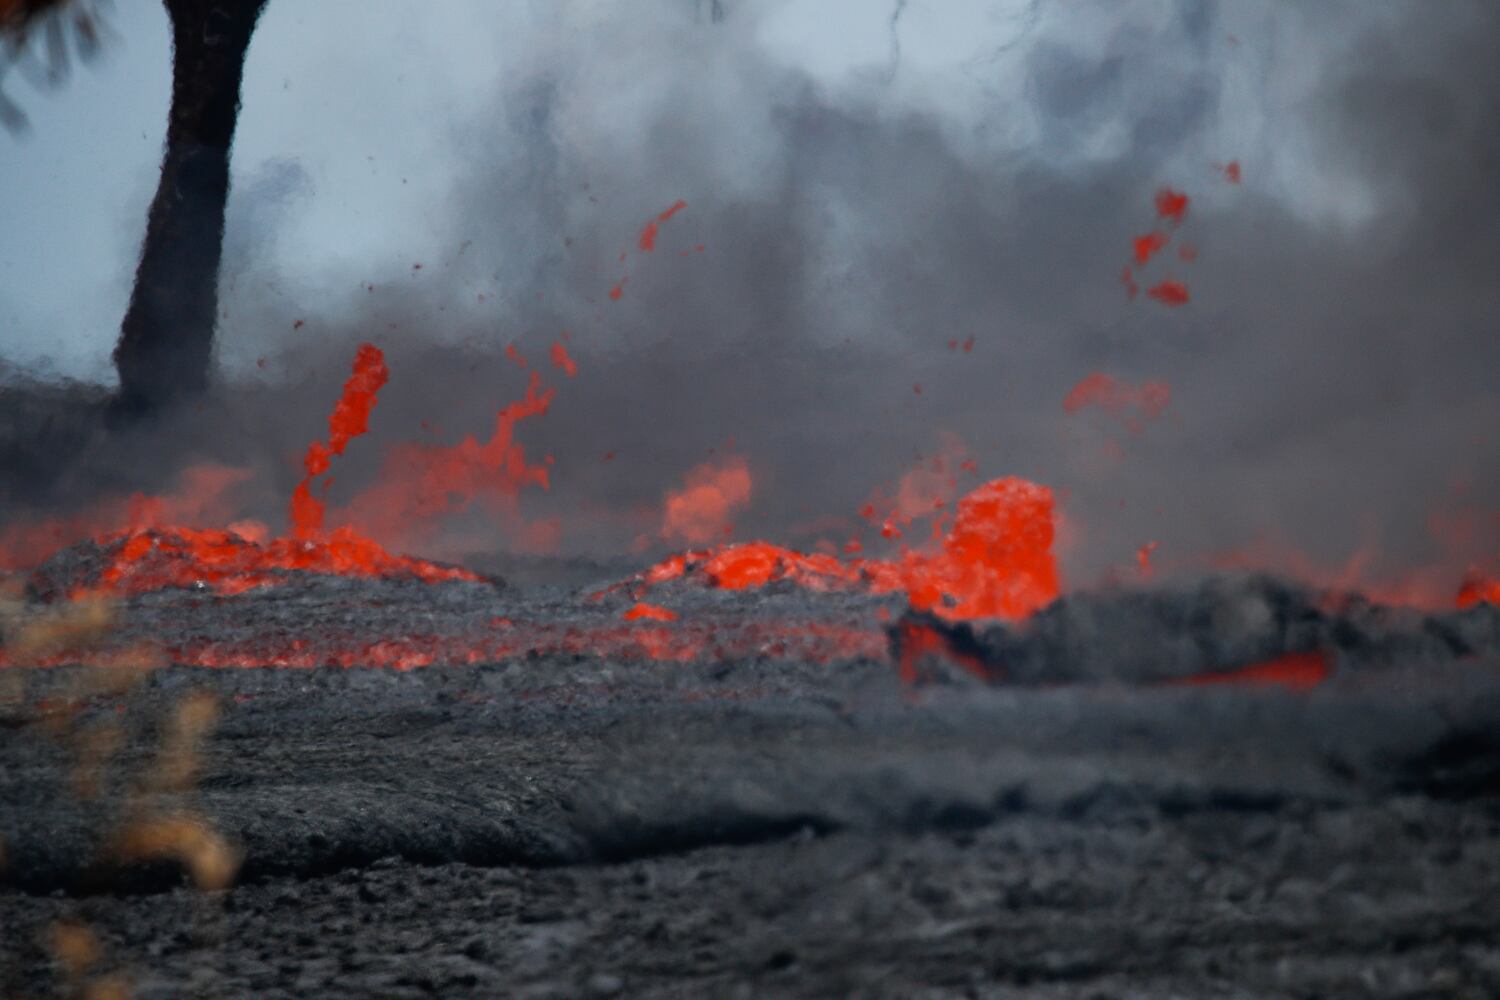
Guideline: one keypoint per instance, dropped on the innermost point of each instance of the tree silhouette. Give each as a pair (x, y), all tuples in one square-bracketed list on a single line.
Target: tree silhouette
[(166, 339)]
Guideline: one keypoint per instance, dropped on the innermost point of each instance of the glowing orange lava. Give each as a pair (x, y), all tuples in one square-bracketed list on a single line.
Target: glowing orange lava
[(642, 611), (996, 561), (349, 419), (1478, 589), (223, 561), (1147, 246), (420, 483)]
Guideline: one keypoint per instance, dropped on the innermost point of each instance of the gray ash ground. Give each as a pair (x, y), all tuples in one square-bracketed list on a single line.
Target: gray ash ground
[(763, 821)]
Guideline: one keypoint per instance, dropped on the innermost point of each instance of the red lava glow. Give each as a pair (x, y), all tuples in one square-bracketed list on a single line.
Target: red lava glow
[(1147, 246), (349, 419), (420, 483), (1143, 558), (649, 234), (1478, 589), (809, 641), (1134, 406), (1294, 671), (223, 561), (711, 494), (920, 642), (1231, 171), (996, 561), (1171, 205), (563, 361), (652, 612), (1169, 293), (201, 496), (1127, 278), (515, 355), (618, 291)]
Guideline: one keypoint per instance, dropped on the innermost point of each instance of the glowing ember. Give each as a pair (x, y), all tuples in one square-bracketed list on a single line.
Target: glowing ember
[(1169, 293), (349, 419), (648, 235), (1171, 205), (1147, 246), (562, 361), (1143, 558)]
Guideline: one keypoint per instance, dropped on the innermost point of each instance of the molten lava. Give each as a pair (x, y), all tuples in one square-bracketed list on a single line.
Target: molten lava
[(1478, 589), (138, 562), (349, 419), (995, 562)]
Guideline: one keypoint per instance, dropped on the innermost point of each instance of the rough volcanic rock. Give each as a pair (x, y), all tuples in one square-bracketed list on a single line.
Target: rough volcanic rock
[(1212, 626)]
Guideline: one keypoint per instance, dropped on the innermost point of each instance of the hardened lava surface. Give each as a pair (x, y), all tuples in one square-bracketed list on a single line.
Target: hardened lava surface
[(473, 789)]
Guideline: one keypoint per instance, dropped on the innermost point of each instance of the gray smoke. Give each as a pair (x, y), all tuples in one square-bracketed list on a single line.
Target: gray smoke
[(1332, 379)]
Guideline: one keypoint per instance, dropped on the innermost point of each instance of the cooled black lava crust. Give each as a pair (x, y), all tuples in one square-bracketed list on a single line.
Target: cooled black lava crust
[(767, 826)]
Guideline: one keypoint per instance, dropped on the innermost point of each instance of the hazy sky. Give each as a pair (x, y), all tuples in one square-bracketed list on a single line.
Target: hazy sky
[(356, 113)]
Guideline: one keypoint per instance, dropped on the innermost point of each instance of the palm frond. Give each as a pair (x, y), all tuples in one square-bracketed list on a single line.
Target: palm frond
[(35, 37)]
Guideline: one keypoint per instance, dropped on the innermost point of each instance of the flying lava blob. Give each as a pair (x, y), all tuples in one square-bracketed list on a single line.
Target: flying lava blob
[(349, 419), (1171, 210)]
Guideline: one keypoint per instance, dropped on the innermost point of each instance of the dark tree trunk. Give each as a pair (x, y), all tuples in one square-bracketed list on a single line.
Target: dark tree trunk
[(166, 341)]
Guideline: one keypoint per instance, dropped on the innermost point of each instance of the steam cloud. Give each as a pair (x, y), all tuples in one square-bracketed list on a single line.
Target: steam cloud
[(1332, 380)]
